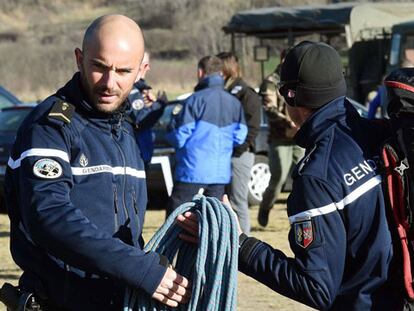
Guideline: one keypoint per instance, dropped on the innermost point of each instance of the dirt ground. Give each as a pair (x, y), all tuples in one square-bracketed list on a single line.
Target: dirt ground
[(251, 294)]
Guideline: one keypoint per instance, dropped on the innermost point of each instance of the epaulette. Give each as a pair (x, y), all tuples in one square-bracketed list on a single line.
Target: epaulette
[(62, 111)]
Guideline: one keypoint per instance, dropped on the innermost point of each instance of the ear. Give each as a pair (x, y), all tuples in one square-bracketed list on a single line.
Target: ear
[(79, 58), (200, 73)]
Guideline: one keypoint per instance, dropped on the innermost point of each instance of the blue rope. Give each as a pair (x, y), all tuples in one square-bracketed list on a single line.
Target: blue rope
[(212, 267)]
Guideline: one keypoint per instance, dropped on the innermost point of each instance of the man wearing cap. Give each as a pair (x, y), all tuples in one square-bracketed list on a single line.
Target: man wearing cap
[(339, 234)]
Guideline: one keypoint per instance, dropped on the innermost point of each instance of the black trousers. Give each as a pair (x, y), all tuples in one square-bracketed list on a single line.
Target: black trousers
[(184, 192)]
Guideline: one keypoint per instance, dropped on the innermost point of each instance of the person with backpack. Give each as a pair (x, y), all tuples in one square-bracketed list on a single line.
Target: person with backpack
[(339, 232)]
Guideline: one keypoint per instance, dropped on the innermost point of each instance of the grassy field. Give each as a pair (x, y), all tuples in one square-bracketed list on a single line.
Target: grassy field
[(252, 295)]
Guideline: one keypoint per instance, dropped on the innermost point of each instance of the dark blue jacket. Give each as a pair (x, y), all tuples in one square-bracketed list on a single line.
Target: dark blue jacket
[(76, 196), (339, 233), (145, 118), (205, 131)]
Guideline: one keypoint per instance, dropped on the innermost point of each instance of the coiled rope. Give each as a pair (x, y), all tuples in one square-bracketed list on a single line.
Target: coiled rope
[(211, 266)]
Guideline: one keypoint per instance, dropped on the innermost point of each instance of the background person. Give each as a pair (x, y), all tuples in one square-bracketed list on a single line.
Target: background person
[(76, 192), (146, 110), (283, 152), (243, 155), (204, 131)]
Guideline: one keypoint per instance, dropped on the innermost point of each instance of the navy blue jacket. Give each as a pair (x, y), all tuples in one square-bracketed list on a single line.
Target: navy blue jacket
[(205, 131), (339, 233), (145, 118), (76, 195)]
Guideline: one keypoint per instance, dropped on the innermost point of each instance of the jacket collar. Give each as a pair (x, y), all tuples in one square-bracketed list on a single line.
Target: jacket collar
[(74, 94), (213, 80), (322, 120)]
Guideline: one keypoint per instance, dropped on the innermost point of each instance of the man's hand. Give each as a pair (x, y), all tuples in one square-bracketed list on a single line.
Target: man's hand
[(226, 201), (189, 223), (149, 98), (173, 289)]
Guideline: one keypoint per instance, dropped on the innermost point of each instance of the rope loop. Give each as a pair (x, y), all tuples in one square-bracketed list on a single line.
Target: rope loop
[(211, 265)]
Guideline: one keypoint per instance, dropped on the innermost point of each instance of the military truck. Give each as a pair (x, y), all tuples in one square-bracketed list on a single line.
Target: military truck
[(373, 38)]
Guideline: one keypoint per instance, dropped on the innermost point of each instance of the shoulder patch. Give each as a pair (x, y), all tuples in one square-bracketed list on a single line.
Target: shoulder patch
[(177, 109), (47, 168), (304, 233), (236, 89), (62, 111)]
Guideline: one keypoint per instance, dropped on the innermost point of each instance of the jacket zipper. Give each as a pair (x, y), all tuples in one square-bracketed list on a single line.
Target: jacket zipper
[(124, 177), (116, 209), (134, 200)]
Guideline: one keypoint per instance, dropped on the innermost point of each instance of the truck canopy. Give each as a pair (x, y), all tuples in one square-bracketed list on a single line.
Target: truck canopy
[(366, 20), (277, 21)]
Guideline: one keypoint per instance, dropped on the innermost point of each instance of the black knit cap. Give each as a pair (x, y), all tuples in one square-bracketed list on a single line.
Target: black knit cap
[(312, 75)]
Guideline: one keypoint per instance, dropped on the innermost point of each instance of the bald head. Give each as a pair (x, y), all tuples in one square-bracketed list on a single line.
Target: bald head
[(114, 29), (110, 59)]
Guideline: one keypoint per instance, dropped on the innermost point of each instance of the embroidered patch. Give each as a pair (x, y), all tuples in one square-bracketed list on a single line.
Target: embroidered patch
[(236, 89), (137, 104), (83, 160), (177, 109), (304, 234), (47, 168)]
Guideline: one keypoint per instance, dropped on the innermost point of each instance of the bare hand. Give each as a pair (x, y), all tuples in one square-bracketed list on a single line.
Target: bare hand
[(189, 223), (226, 201), (173, 289), (149, 97)]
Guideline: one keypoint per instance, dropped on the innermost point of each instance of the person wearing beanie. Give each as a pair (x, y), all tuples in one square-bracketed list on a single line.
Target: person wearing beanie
[(339, 233)]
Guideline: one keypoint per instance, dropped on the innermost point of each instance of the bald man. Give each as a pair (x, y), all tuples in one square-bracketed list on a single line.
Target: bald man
[(76, 191)]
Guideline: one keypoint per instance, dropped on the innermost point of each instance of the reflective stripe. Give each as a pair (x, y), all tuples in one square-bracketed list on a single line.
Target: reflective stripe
[(38, 152), (97, 169), (358, 192)]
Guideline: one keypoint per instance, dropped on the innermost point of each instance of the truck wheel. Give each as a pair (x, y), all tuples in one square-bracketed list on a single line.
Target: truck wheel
[(259, 179)]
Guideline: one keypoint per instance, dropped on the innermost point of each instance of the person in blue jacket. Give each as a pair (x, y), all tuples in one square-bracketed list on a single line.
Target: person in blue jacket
[(76, 192), (204, 131), (343, 252)]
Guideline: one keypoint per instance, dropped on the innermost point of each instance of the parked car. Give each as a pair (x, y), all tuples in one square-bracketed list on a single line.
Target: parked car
[(10, 120), (7, 99)]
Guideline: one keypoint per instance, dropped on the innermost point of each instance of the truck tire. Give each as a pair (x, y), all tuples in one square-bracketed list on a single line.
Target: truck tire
[(259, 179)]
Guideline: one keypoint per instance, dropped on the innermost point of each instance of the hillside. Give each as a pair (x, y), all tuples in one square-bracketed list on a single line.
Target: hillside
[(38, 37)]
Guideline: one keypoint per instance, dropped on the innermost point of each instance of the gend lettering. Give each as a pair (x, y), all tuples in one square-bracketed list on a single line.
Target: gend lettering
[(360, 171)]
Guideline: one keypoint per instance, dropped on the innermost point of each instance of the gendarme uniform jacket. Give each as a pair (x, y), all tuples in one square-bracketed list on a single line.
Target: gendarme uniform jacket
[(339, 233), (76, 196), (251, 103)]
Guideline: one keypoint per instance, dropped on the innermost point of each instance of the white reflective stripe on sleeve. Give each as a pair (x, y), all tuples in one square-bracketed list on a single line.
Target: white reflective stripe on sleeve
[(358, 192), (38, 152), (97, 169)]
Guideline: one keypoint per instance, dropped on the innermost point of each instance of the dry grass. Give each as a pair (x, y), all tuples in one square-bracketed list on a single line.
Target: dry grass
[(252, 295)]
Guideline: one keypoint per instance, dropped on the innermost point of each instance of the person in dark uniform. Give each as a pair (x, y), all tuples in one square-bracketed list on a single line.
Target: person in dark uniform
[(242, 159), (76, 192), (339, 232)]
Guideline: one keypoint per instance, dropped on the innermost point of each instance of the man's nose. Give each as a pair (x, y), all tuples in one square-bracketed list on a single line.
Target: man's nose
[(109, 79)]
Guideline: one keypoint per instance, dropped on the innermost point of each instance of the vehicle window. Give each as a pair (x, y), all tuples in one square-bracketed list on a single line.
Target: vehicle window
[(5, 102), (407, 52), (10, 120)]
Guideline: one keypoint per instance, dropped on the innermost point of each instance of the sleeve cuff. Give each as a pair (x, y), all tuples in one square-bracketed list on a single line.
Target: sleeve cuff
[(246, 246)]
